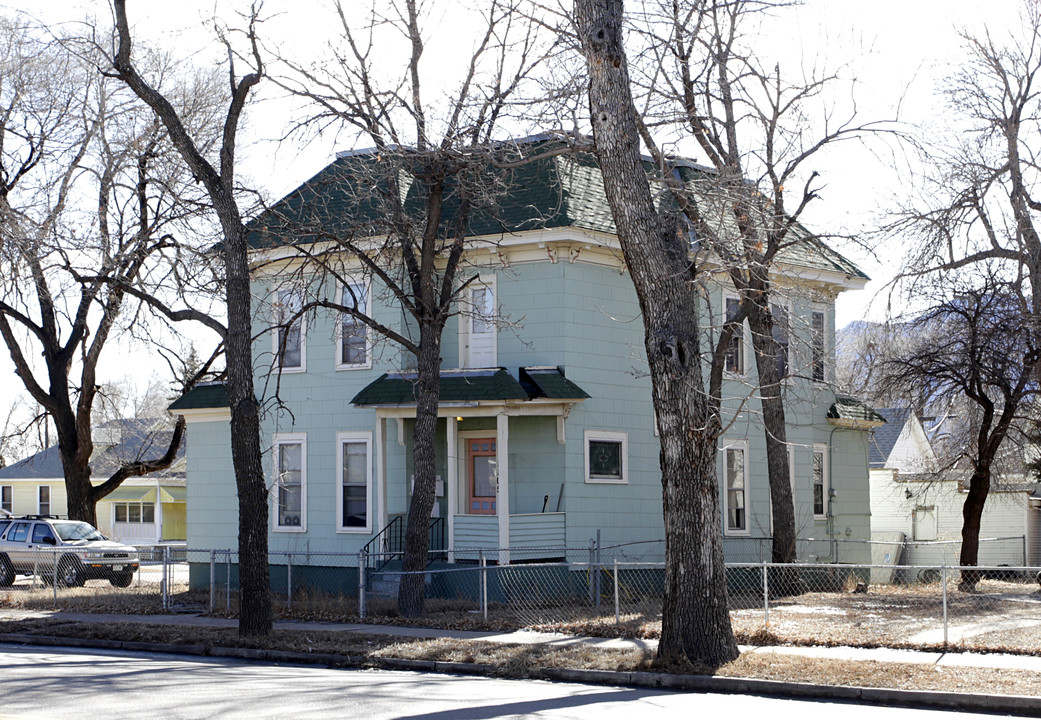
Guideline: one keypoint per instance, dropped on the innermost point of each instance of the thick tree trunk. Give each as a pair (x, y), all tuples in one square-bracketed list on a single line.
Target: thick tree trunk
[(80, 505), (695, 620), (972, 514), (783, 550), (254, 587), (417, 526)]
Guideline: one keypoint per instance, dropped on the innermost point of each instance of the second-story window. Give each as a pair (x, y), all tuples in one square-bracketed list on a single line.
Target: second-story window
[(735, 357), (482, 330), (289, 339), (354, 334), (818, 346)]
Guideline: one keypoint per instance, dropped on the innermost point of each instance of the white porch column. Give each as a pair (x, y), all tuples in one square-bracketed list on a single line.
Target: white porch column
[(452, 486), (381, 473), (502, 487)]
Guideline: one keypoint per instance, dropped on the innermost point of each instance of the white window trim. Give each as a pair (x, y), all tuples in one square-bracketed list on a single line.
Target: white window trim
[(275, 325), (745, 341), (289, 439), (827, 349), (466, 318), (10, 495), (337, 349), (823, 449), (39, 500), (354, 437), (608, 436), (741, 445)]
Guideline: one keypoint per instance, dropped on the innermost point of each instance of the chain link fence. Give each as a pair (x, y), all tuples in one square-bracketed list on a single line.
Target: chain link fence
[(608, 590)]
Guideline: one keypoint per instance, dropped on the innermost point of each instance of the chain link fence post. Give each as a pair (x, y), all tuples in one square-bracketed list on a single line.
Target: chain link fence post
[(766, 597), (289, 582), (361, 584), (164, 583), (54, 565), (943, 581), (227, 580), (213, 580), (617, 612), (599, 571), (592, 559), (484, 586)]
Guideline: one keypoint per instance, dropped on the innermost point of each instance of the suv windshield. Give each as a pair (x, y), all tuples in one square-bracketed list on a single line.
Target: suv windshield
[(75, 530)]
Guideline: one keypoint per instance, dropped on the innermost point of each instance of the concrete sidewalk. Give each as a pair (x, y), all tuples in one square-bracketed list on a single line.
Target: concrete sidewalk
[(526, 637)]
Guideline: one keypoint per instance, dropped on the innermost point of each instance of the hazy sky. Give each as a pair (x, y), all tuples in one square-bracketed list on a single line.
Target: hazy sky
[(900, 52)]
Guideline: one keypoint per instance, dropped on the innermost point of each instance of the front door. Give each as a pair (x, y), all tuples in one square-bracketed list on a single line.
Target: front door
[(482, 476)]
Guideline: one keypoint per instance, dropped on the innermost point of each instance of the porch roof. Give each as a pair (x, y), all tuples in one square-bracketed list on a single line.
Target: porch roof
[(473, 385), (851, 412)]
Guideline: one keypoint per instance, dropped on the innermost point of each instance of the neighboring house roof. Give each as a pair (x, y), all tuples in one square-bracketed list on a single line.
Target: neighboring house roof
[(884, 438), (565, 190), (847, 410), (210, 395), (137, 438), (399, 388)]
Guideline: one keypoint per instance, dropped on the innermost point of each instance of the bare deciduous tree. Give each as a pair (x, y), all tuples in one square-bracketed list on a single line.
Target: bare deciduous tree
[(218, 180), (84, 191), (401, 222)]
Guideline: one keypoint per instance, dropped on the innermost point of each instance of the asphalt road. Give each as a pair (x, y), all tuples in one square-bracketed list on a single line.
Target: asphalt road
[(95, 685)]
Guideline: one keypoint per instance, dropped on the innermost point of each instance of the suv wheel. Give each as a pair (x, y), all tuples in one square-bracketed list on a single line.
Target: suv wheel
[(6, 572), (70, 572), (121, 580)]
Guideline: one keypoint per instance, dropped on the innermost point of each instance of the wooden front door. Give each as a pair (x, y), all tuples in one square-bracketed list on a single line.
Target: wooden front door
[(482, 476)]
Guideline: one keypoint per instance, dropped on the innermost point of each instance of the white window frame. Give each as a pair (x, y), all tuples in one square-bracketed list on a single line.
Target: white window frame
[(341, 439), (466, 318), (742, 336), (8, 503), (141, 512), (822, 449), (278, 441), (606, 436), (39, 499), (742, 447), (338, 345), (276, 326), (825, 365)]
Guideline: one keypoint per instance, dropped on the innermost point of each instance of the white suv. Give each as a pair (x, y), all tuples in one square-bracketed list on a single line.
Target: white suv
[(69, 551)]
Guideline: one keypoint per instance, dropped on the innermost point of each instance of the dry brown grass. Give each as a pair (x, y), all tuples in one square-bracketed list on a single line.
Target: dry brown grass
[(527, 661)]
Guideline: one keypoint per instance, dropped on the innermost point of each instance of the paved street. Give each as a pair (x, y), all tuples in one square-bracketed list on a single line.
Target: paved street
[(56, 683)]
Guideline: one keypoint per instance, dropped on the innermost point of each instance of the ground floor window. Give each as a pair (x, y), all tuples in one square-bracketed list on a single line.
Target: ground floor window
[(606, 456), (355, 472), (43, 504), (134, 512), (290, 482), (735, 499), (7, 498), (820, 481)]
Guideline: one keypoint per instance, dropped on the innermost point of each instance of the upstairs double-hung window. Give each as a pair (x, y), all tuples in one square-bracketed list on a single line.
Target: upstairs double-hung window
[(734, 361), (481, 326), (289, 337), (354, 346)]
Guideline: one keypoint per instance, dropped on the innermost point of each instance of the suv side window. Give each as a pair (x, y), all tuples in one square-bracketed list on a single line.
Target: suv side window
[(19, 532), (3, 525), (42, 532)]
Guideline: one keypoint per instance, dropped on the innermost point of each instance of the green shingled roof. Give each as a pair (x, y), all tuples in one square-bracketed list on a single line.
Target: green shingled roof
[(473, 385), (550, 383), (201, 397), (349, 198), (851, 410)]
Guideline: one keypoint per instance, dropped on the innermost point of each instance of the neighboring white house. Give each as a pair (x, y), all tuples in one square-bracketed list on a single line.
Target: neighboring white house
[(142, 510), (919, 510)]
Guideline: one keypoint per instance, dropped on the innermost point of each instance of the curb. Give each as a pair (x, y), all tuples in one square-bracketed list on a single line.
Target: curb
[(1000, 704)]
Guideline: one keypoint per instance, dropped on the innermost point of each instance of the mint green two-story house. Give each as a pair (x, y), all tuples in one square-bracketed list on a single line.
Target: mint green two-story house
[(546, 436)]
